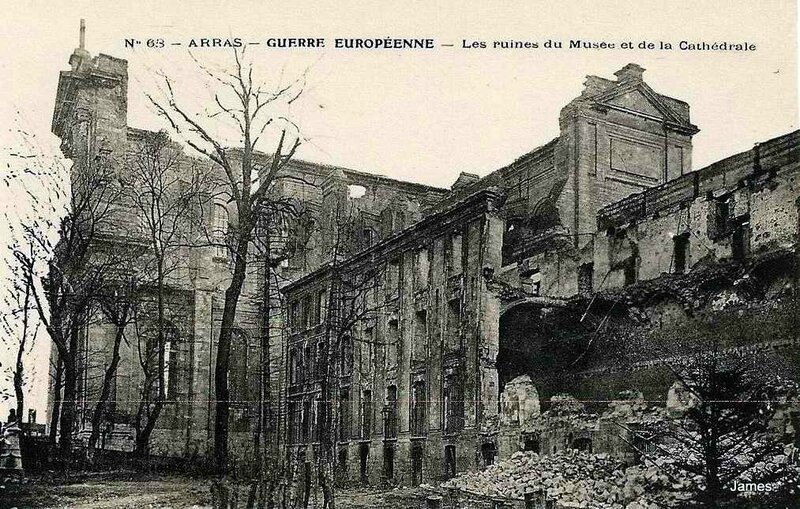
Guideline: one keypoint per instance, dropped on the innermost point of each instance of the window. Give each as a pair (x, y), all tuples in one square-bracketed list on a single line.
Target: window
[(368, 237), (586, 279), (488, 452), (219, 231), (344, 415), (392, 343), (531, 281), (367, 350), (306, 421), (449, 461), (292, 366), (421, 269), (393, 279), (321, 307), (454, 254), (310, 361), (420, 334), (294, 316), (366, 414), (740, 241), (238, 379), (175, 357), (390, 413), (418, 408), (680, 248), (294, 422), (722, 214), (346, 356), (452, 403), (454, 323), (308, 319)]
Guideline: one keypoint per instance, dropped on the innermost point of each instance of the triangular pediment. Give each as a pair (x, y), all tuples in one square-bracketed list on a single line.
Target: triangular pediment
[(635, 100)]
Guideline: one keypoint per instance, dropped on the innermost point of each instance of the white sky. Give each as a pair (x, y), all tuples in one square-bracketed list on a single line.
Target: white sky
[(424, 116)]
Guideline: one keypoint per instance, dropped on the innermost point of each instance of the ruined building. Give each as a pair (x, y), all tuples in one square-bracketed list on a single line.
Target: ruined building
[(477, 304)]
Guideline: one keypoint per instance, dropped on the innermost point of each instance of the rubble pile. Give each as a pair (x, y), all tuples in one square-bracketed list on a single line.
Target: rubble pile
[(579, 479)]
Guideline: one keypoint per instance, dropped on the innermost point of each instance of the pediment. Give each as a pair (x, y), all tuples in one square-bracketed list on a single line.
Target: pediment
[(635, 100)]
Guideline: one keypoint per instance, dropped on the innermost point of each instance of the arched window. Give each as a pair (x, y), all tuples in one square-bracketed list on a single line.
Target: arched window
[(175, 356), (219, 231), (238, 380)]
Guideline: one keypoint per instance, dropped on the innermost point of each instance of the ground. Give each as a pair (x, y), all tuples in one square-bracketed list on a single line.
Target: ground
[(131, 490)]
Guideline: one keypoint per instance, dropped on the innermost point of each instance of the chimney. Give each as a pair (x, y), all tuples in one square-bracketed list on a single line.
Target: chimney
[(631, 72), (80, 55)]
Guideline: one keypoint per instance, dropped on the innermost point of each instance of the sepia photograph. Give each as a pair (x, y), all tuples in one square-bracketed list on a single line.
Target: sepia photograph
[(298, 255)]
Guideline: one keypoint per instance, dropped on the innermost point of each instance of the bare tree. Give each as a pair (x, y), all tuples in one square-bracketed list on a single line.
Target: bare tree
[(164, 190), (64, 275), (118, 301), (352, 288), (246, 180), (16, 323)]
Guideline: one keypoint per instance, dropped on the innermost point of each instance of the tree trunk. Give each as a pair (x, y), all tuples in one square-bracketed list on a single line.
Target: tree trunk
[(108, 378), (68, 404), (55, 412), (221, 391)]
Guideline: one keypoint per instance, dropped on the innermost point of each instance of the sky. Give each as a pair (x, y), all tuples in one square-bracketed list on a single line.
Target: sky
[(422, 116)]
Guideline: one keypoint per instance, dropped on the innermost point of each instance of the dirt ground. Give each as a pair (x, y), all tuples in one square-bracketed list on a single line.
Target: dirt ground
[(130, 490)]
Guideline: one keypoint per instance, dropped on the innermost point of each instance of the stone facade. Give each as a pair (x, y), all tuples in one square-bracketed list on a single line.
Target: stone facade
[(485, 299)]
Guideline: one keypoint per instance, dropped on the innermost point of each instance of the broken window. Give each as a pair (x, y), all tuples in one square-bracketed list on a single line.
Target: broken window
[(309, 361), (719, 222), (176, 369), (418, 409), (344, 414), (454, 323), (366, 414), (367, 350), (292, 366), (294, 422), (416, 463), (740, 241), (392, 343), (531, 281), (393, 279), (346, 356), (368, 237), (680, 250), (454, 254), (308, 319), (363, 453), (306, 421), (421, 269), (420, 334), (449, 461), (294, 316), (629, 269), (390, 413), (452, 403), (388, 461), (586, 279), (320, 311), (239, 381), (488, 452)]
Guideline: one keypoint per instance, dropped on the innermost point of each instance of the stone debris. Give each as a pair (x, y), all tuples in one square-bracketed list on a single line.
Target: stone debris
[(579, 479)]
